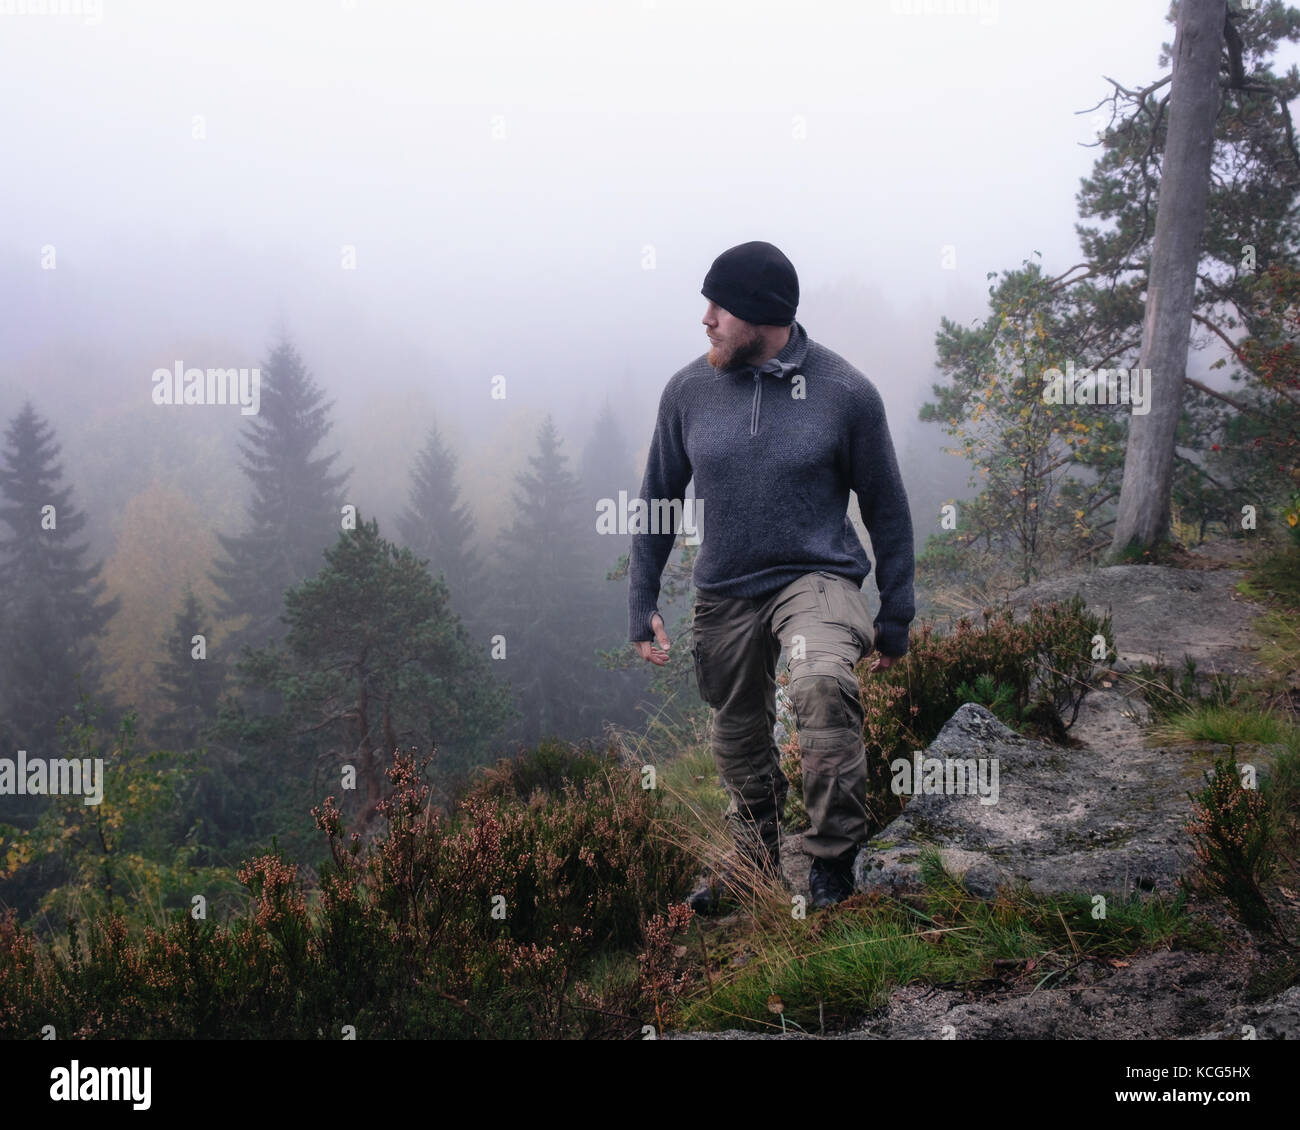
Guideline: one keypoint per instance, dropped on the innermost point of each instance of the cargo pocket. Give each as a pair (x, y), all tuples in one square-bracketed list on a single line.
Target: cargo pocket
[(707, 693), (819, 698)]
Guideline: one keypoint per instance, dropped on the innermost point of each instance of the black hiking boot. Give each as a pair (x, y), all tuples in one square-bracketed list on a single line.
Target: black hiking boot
[(831, 880), (733, 880)]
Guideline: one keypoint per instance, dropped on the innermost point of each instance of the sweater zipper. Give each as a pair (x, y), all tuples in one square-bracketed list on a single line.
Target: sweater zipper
[(758, 399)]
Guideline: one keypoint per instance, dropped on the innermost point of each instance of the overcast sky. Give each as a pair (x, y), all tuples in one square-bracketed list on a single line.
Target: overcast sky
[(534, 190)]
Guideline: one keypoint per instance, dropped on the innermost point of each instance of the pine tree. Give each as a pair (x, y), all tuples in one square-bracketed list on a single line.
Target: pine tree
[(50, 599), (1099, 306), (1142, 518), (295, 508), (437, 527), (374, 660), (544, 604), (190, 684)]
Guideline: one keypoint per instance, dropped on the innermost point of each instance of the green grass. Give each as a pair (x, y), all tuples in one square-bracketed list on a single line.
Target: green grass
[(835, 966), (1284, 783), (693, 777), (1275, 579), (1268, 981), (1226, 725)]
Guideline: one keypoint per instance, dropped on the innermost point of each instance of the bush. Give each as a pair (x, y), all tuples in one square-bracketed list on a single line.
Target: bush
[(547, 769), (1291, 515), (584, 849), (1231, 827), (1035, 671), (481, 924)]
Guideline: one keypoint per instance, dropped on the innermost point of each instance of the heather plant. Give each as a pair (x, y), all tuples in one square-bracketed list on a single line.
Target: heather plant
[(1068, 644), (544, 867), (547, 768), (663, 976), (1231, 829), (584, 833), (519, 915)]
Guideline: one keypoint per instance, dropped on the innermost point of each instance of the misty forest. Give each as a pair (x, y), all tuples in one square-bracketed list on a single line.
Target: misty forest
[(318, 709)]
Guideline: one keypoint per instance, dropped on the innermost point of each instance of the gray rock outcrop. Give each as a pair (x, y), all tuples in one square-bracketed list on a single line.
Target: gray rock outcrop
[(1064, 820)]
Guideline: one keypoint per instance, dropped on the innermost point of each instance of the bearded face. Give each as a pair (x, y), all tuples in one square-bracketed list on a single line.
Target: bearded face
[(734, 343)]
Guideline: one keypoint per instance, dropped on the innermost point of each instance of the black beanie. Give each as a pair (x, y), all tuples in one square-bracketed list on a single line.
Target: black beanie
[(754, 282)]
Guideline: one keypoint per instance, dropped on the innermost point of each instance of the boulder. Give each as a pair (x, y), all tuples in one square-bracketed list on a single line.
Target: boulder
[(1062, 819)]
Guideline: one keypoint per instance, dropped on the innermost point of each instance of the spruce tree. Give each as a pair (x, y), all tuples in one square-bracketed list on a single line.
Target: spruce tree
[(606, 462), (437, 527), (190, 684), (544, 601), (295, 508), (50, 597)]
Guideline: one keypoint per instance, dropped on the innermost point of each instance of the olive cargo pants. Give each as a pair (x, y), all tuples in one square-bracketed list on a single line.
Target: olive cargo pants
[(824, 623)]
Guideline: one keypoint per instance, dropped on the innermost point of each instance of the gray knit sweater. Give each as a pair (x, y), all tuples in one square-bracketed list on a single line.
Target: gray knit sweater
[(773, 459)]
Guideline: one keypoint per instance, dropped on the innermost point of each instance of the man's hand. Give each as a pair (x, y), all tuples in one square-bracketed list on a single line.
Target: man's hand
[(882, 661), (647, 650)]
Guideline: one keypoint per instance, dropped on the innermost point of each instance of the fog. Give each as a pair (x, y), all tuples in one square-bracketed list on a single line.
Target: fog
[(425, 196)]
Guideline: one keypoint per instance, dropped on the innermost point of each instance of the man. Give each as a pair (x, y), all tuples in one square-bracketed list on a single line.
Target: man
[(776, 429)]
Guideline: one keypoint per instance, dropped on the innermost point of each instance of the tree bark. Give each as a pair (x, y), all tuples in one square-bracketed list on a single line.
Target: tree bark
[(1143, 515)]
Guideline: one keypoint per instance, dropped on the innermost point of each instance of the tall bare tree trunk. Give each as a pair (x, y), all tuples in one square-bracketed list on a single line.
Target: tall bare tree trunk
[(1143, 515)]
